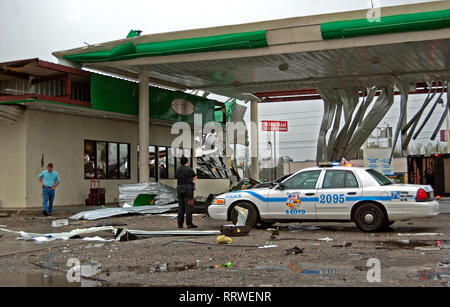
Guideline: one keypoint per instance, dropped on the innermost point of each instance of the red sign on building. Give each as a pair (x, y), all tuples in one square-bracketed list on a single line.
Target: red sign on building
[(445, 135), (274, 125)]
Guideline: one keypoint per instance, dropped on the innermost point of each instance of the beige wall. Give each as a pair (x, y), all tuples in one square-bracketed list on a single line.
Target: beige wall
[(60, 138), (13, 164)]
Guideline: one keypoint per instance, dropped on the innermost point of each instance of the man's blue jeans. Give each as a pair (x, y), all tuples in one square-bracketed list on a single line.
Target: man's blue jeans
[(49, 196)]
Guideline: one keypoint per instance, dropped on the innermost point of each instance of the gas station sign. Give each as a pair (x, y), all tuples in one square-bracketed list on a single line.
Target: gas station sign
[(274, 125)]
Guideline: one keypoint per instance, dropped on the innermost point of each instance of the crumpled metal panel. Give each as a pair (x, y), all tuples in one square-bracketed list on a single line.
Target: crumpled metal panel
[(28, 236), (109, 212), (164, 193)]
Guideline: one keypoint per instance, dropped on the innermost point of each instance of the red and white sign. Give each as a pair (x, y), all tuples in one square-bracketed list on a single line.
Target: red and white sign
[(445, 135), (274, 125)]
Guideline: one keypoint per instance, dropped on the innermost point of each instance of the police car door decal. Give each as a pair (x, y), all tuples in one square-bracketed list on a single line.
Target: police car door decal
[(337, 194)]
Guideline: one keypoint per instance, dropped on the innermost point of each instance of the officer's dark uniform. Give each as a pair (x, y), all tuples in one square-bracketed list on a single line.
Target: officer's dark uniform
[(185, 191)]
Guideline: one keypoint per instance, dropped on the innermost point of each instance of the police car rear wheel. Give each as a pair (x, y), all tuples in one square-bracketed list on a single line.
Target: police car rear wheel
[(370, 218), (252, 217)]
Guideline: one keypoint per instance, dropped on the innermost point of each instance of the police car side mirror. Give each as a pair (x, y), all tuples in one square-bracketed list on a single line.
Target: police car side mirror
[(281, 186)]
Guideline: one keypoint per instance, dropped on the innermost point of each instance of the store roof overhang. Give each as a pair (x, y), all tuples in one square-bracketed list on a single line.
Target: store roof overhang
[(298, 55)]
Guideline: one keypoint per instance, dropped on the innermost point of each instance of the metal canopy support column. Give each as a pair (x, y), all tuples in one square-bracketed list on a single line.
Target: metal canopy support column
[(144, 126), (254, 128), (346, 141)]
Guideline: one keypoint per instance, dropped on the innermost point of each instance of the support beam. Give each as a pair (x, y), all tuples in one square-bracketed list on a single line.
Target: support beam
[(254, 128), (144, 126)]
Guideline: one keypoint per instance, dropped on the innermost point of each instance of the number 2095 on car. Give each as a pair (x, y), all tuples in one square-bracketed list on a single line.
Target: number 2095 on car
[(332, 199)]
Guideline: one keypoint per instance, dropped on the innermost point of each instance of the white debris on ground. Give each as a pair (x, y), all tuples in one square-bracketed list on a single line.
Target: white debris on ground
[(109, 212), (48, 237)]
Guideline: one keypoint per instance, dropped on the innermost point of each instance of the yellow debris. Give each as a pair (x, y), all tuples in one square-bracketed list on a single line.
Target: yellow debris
[(222, 239)]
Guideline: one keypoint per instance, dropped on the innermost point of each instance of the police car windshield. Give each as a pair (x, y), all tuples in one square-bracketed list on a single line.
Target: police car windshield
[(379, 177)]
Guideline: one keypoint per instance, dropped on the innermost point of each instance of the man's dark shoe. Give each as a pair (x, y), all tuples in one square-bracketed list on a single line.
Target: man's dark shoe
[(180, 226), (192, 226), (45, 213)]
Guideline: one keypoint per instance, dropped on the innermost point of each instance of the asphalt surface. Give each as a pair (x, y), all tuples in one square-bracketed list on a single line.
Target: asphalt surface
[(410, 253)]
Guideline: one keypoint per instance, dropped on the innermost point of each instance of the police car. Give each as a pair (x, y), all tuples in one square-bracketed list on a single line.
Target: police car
[(330, 193)]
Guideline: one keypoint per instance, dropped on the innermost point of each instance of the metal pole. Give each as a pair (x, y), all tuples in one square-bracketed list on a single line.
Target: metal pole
[(144, 126), (446, 133), (275, 155), (254, 130)]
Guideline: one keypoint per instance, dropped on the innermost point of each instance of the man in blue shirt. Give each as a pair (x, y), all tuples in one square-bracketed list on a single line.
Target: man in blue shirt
[(49, 181)]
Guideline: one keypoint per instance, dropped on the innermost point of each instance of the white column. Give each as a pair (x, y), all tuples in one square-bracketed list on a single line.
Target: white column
[(254, 143), (144, 126)]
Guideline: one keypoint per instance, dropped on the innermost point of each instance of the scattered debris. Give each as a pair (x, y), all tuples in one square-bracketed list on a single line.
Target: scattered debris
[(270, 268), (427, 248), (109, 212), (95, 245), (294, 251), (47, 237), (345, 244), (97, 238), (421, 234), (299, 227), (268, 244), (223, 266), (174, 267), (60, 223), (122, 235), (240, 229), (326, 239), (234, 231), (222, 239), (90, 269), (443, 264), (209, 244), (425, 275), (164, 193), (298, 269), (242, 216), (150, 233), (5, 214)]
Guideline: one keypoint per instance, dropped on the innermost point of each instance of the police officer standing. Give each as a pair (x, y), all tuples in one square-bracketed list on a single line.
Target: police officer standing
[(185, 190)]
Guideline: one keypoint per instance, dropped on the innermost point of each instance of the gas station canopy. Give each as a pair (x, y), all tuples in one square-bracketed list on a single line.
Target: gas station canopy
[(411, 42)]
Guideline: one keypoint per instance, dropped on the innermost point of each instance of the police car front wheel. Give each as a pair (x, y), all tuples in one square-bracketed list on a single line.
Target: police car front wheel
[(370, 218), (252, 217)]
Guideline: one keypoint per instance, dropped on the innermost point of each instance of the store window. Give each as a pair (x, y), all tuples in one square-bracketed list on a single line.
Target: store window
[(106, 160), (163, 161)]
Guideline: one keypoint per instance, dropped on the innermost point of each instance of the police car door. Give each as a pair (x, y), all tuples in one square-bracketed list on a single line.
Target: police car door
[(339, 190), (295, 198)]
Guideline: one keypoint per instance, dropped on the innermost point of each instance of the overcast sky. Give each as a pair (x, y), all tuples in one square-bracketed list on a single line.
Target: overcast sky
[(36, 28)]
